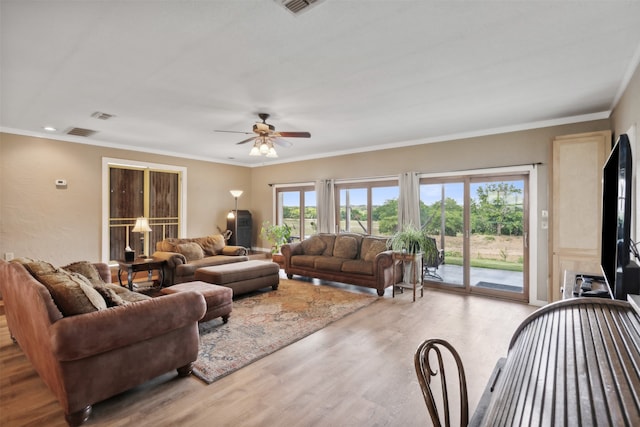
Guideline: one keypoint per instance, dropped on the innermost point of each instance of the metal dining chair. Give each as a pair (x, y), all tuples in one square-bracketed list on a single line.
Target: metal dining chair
[(425, 371)]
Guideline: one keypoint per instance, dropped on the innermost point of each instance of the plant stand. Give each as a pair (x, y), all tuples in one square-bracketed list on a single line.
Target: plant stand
[(413, 263)]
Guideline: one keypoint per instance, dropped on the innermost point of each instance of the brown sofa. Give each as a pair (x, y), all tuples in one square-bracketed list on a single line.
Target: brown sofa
[(98, 351), (185, 256), (347, 257)]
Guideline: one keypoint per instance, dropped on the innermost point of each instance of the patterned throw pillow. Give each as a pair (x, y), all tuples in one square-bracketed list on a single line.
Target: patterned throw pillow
[(345, 247), (86, 269), (375, 248), (313, 246), (191, 251), (72, 293)]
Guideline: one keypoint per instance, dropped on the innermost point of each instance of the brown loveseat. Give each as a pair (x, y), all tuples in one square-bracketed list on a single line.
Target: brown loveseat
[(185, 256), (94, 351), (347, 257)]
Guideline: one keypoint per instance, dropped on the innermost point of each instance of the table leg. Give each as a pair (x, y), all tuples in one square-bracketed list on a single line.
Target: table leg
[(162, 275), (130, 278), (120, 276)]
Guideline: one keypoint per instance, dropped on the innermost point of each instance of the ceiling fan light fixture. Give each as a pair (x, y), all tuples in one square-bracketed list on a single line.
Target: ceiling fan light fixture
[(255, 151), (264, 147), (272, 153)]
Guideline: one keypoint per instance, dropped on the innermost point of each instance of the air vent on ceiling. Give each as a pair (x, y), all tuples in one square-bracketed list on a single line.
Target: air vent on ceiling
[(298, 6), (80, 132), (102, 116)]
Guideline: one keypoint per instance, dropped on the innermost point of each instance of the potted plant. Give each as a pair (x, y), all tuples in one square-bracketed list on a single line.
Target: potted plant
[(408, 245), (278, 235), (408, 240)]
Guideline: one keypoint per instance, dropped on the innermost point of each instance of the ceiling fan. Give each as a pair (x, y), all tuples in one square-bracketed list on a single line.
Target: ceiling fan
[(265, 136)]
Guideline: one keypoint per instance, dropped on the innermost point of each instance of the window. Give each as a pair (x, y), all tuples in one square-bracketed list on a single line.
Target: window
[(133, 189), (368, 207), (296, 207)]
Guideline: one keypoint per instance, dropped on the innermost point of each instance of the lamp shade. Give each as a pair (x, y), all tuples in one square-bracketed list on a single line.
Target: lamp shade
[(236, 193), (142, 225)]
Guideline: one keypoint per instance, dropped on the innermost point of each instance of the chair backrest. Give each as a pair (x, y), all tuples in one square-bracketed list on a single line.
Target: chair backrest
[(425, 371), (431, 256)]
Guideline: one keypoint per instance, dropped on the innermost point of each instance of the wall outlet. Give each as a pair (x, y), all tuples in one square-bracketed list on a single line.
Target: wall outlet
[(8, 256)]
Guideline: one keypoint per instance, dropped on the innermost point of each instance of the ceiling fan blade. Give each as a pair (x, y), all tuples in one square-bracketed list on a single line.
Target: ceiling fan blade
[(295, 134), (282, 142), (244, 141), (233, 131)]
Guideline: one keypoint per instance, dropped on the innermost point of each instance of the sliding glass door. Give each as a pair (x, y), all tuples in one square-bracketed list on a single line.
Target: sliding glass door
[(481, 224), (497, 241)]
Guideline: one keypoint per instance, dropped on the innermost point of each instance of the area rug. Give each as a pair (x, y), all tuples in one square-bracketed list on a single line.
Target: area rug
[(267, 321)]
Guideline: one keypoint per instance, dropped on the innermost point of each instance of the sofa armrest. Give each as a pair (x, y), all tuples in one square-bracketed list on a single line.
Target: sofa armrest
[(234, 250), (383, 260), (290, 249), (173, 259), (84, 335)]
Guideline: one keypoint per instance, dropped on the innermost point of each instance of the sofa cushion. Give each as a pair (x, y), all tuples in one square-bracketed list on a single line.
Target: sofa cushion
[(314, 245), (192, 251), (372, 247), (358, 266), (328, 263), (86, 269), (72, 292), (304, 260), (345, 247)]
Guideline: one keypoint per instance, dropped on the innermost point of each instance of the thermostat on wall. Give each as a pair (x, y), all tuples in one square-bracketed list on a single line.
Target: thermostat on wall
[(61, 182)]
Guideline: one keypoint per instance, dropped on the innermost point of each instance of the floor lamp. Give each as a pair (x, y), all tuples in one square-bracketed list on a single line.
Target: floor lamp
[(235, 194)]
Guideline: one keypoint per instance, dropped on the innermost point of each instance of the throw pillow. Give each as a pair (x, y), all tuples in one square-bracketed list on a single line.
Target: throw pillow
[(211, 245), (345, 247), (37, 268), (72, 293), (191, 251), (111, 298), (167, 245), (86, 269), (313, 246), (126, 294), (375, 248)]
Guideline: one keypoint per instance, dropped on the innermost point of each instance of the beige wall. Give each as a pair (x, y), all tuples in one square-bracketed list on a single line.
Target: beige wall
[(64, 225)]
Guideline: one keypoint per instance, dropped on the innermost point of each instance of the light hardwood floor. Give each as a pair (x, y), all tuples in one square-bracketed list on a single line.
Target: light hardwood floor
[(357, 371)]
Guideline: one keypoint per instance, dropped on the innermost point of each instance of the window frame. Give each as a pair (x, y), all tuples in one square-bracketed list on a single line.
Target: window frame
[(107, 163)]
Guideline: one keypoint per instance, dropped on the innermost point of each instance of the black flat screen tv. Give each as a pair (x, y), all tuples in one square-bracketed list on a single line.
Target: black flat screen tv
[(621, 272)]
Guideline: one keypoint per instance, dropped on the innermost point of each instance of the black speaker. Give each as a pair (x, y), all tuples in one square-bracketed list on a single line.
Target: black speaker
[(241, 237)]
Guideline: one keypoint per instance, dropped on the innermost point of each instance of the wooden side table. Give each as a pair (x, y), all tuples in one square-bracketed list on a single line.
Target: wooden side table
[(415, 279), (140, 264)]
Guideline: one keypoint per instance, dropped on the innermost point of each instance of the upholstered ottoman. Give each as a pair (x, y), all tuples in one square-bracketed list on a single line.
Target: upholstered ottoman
[(242, 277), (219, 298)]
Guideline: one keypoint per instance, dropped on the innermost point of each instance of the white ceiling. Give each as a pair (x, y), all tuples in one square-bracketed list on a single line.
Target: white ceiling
[(357, 74)]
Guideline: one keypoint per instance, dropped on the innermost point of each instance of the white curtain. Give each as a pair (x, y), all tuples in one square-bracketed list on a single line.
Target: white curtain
[(409, 200), (326, 206)]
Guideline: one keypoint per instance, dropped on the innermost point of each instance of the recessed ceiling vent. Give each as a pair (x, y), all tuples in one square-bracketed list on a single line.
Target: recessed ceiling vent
[(102, 116), (298, 6), (80, 132)]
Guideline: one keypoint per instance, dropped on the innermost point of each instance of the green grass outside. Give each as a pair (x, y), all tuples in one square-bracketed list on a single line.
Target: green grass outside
[(485, 263)]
